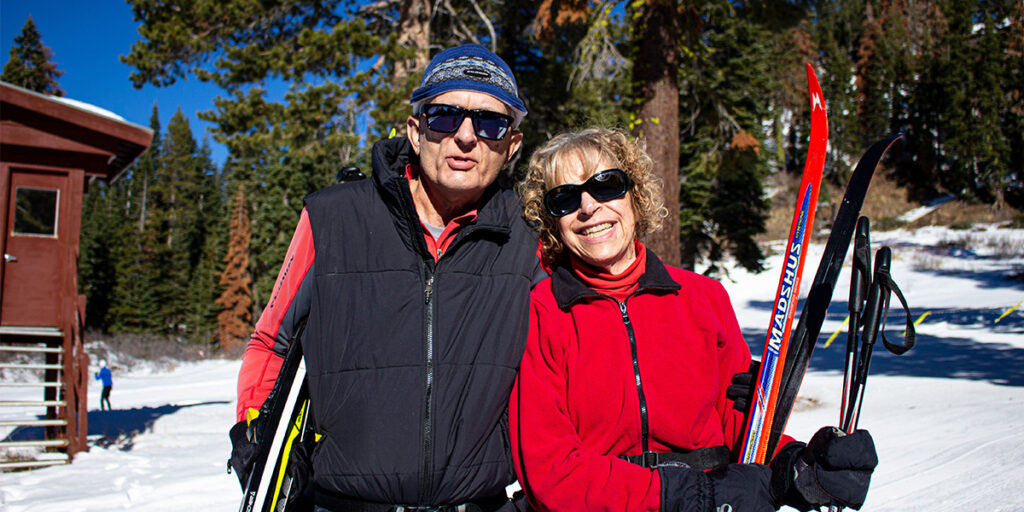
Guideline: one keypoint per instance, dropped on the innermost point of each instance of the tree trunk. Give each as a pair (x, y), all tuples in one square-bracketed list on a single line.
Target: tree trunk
[(414, 32), (656, 87)]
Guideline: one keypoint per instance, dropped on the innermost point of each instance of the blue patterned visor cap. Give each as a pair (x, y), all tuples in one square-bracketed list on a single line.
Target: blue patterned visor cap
[(469, 67)]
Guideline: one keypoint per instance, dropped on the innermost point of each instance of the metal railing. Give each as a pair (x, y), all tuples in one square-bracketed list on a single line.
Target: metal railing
[(47, 413)]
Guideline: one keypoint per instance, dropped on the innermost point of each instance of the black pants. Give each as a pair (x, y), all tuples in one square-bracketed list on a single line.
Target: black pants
[(105, 397), (517, 504)]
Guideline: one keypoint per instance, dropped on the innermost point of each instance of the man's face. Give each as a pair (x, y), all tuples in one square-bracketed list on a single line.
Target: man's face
[(458, 166)]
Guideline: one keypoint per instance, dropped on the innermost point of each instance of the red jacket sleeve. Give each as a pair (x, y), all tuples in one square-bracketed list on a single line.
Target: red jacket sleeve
[(554, 467), (282, 317), (733, 358)]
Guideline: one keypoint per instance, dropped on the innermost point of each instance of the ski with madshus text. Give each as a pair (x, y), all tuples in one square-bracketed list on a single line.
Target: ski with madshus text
[(763, 406), (819, 295)]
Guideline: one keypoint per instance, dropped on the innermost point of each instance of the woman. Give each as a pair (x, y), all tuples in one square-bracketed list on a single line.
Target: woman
[(621, 403)]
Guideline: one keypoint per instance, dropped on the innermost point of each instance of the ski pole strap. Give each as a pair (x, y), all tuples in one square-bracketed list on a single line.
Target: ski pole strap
[(701, 458), (884, 279), (336, 503)]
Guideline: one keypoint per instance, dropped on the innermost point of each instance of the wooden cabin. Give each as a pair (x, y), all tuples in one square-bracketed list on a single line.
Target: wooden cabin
[(51, 148)]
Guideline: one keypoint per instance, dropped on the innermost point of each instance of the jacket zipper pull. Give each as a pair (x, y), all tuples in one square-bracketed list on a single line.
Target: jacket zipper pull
[(429, 289)]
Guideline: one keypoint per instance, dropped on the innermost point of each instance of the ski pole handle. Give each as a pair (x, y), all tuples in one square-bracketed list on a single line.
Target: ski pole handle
[(860, 278), (860, 272)]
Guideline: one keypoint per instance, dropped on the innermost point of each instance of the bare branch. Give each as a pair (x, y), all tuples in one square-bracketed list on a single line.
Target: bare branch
[(487, 22), (596, 55), (461, 30)]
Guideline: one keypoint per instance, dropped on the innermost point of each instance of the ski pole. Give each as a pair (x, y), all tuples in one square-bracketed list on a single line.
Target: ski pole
[(860, 277), (874, 319)]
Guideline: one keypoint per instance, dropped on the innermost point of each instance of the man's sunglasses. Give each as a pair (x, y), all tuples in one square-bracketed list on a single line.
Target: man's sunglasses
[(448, 118), (603, 186)]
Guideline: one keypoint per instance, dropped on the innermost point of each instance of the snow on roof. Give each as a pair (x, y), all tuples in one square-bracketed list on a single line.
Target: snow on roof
[(81, 105)]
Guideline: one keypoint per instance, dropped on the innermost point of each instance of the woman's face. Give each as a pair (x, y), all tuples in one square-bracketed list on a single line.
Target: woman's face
[(599, 233)]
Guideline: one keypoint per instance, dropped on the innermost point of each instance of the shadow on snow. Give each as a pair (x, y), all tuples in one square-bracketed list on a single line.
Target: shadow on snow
[(932, 356), (116, 427)]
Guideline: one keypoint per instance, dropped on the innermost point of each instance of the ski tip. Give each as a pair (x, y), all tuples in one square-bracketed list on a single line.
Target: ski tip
[(817, 97)]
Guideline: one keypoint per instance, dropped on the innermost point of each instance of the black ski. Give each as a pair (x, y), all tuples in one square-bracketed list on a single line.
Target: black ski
[(276, 418), (820, 295)]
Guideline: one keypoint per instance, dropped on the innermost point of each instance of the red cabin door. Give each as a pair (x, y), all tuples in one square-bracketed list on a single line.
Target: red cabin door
[(33, 276)]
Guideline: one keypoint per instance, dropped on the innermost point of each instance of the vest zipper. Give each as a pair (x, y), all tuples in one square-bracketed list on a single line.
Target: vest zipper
[(425, 481), (644, 434)]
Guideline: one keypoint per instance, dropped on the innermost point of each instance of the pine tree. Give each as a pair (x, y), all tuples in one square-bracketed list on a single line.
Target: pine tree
[(1013, 127), (30, 65), (103, 223), (135, 305), (835, 33), (203, 289), (730, 81), (872, 76), (175, 220), (234, 319)]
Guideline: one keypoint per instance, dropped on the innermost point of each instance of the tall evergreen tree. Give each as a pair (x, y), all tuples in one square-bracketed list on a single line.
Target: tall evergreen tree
[(201, 309), (731, 80), (103, 224), (976, 147), (175, 219), (30, 63), (873, 74), (1013, 127), (135, 306), (235, 300)]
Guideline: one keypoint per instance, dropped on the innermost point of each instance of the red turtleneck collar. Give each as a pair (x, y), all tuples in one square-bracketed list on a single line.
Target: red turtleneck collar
[(618, 286)]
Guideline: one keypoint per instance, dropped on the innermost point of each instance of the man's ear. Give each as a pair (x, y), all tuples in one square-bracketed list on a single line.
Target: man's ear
[(412, 132), (515, 142)]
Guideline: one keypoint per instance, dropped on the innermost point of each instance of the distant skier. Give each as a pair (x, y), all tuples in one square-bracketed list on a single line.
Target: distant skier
[(108, 382)]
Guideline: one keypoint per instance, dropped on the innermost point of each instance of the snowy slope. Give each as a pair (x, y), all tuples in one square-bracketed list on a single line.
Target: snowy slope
[(948, 417)]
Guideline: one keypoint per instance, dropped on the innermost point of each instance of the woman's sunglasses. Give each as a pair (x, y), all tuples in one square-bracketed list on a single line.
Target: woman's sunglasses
[(448, 118), (603, 186)]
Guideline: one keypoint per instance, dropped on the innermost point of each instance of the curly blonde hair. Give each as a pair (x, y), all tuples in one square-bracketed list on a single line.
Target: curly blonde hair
[(589, 147)]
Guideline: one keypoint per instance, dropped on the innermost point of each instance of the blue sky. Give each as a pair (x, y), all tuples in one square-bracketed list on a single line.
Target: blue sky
[(87, 37)]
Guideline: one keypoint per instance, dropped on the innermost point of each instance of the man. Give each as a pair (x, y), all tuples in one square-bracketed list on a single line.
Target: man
[(411, 291), (105, 377)]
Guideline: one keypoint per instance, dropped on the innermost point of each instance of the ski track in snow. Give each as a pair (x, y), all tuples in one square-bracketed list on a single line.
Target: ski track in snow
[(947, 417)]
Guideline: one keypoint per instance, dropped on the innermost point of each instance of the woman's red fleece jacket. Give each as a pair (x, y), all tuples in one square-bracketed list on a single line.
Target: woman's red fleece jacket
[(576, 405)]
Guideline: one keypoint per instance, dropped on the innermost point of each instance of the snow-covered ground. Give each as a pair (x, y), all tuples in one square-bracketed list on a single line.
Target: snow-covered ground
[(948, 417)]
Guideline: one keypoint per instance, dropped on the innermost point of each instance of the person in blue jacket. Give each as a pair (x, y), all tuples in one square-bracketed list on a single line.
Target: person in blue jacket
[(108, 382)]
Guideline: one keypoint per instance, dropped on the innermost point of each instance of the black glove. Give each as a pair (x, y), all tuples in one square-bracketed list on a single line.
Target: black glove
[(737, 487), (243, 451), (298, 471), (741, 391), (833, 467)]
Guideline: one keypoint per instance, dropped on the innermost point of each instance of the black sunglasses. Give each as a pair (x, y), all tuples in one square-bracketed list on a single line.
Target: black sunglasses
[(603, 186), (448, 118)]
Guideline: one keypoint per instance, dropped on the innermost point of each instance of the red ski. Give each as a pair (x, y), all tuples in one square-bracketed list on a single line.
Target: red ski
[(762, 410)]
